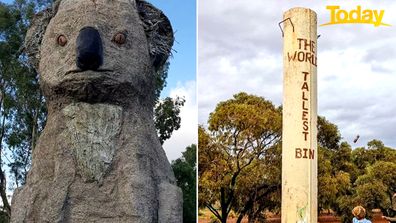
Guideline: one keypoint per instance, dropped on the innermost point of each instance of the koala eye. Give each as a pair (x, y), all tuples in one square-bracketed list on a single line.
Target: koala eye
[(61, 40), (119, 38)]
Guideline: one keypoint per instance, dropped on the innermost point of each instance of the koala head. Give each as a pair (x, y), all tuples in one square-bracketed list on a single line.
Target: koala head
[(99, 51)]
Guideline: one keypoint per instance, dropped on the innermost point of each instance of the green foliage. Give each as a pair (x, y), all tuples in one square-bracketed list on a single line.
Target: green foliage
[(328, 135), (261, 187), (211, 164), (239, 157), (248, 115), (160, 79), (4, 218), (376, 187), (167, 117), (185, 173), (331, 183), (347, 178), (23, 105), (167, 111), (335, 168), (22, 110), (363, 176)]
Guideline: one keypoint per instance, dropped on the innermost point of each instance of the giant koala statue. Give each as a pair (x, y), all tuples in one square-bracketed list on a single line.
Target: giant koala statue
[(99, 158)]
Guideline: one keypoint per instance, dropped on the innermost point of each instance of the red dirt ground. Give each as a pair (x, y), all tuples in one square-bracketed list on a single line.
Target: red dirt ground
[(322, 219)]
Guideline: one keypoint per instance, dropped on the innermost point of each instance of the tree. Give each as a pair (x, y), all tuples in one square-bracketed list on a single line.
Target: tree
[(21, 104), (160, 79), (167, 111), (375, 151), (328, 135), (185, 173), (372, 178), (335, 169), (167, 117), (342, 160), (377, 186), (261, 187), (240, 135)]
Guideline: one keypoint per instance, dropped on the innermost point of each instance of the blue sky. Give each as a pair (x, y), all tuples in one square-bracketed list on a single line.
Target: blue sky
[(182, 15)]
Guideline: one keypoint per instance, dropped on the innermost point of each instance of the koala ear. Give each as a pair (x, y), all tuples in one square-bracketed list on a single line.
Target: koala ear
[(158, 31), (35, 34)]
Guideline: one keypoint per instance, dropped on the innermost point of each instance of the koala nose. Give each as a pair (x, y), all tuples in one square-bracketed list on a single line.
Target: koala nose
[(89, 49)]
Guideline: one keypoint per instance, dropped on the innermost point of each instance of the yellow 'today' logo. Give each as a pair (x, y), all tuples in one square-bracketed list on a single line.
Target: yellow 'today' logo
[(355, 16)]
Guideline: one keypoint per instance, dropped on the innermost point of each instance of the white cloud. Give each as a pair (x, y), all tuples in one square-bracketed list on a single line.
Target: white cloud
[(240, 49), (188, 133)]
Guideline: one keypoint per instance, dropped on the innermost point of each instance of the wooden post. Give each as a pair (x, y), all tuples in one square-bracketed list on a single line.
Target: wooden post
[(299, 136)]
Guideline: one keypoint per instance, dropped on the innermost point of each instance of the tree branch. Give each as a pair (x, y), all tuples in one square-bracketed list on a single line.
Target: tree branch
[(214, 211)]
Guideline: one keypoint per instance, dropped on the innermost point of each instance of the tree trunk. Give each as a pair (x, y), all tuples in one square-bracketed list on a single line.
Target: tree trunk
[(3, 182), (251, 217), (240, 217), (224, 205), (214, 211), (34, 128), (3, 194)]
